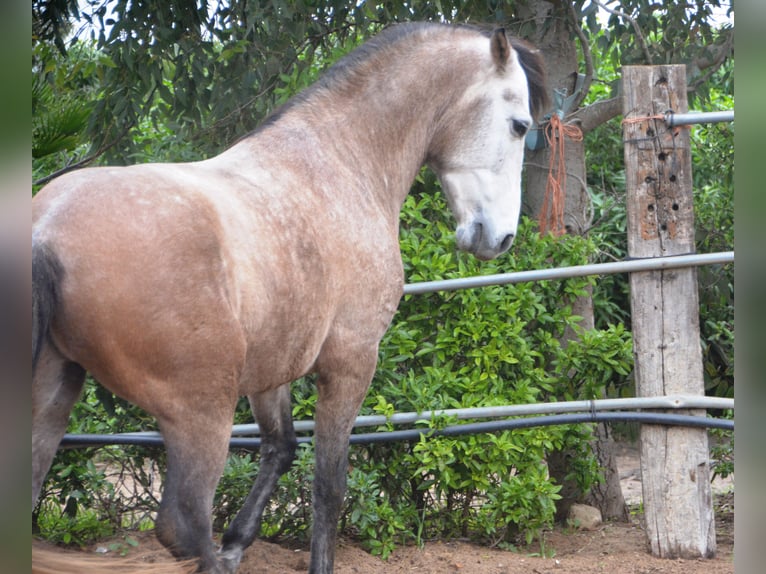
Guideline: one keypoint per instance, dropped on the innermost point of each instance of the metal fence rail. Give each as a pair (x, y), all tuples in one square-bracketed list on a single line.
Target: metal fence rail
[(94, 440), (538, 414), (626, 266), (672, 119), (669, 402)]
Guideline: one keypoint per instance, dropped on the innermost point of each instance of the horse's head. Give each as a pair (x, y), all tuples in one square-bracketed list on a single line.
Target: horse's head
[(478, 156)]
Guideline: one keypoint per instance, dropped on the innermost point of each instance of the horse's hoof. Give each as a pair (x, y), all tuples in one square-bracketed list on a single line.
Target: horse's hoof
[(229, 559)]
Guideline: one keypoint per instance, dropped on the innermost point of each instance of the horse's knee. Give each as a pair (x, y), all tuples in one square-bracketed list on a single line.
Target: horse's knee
[(278, 453), (286, 455)]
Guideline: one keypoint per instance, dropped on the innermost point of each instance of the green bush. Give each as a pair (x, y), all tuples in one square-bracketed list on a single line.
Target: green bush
[(492, 346)]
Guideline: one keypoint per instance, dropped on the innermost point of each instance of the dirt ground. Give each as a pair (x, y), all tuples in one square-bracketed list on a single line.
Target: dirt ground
[(615, 548)]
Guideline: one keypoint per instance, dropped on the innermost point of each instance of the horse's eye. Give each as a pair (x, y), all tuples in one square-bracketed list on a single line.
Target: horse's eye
[(520, 127)]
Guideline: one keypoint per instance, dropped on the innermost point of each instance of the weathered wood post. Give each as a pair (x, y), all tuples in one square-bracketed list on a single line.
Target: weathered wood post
[(675, 470)]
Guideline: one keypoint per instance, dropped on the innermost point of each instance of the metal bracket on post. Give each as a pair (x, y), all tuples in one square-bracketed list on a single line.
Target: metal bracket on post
[(561, 103)]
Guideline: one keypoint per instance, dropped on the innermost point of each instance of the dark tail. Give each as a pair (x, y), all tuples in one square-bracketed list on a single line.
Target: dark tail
[(48, 560), (46, 278)]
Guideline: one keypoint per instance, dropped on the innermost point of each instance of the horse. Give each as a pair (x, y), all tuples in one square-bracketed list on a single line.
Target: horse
[(182, 287)]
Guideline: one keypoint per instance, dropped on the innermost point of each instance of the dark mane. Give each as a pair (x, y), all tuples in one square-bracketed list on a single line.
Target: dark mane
[(534, 67), (345, 68)]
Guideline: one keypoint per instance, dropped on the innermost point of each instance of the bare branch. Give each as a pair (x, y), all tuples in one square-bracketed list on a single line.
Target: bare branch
[(712, 63), (636, 29), (585, 54), (86, 160)]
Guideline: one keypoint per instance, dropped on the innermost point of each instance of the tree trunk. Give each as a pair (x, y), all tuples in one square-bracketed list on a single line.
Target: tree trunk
[(556, 42)]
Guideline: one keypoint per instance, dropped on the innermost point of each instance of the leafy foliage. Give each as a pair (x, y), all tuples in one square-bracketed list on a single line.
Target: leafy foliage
[(722, 450), (214, 68), (63, 96), (61, 128), (494, 346), (641, 32)]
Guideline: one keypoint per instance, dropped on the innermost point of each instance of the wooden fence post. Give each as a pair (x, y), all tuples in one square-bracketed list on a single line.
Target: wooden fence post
[(675, 469)]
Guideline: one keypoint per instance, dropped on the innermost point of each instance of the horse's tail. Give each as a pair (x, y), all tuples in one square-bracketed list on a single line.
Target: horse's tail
[(48, 561), (46, 279)]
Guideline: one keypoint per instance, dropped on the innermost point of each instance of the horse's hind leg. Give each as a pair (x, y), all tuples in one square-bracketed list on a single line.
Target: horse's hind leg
[(56, 386), (272, 411), (196, 434)]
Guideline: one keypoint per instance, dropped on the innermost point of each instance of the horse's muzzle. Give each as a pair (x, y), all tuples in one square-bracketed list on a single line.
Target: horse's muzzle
[(475, 239)]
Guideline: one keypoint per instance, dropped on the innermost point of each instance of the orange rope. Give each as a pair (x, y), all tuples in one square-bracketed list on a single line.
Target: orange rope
[(640, 119), (643, 119), (552, 212)]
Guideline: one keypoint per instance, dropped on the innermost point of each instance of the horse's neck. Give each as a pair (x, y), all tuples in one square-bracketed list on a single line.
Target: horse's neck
[(380, 130)]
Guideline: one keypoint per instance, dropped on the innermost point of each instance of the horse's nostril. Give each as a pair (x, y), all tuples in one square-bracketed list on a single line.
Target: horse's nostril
[(506, 243)]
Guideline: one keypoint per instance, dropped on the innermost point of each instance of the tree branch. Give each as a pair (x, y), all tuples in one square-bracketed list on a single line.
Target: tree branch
[(585, 54), (86, 160), (636, 29), (712, 61), (592, 116), (719, 53)]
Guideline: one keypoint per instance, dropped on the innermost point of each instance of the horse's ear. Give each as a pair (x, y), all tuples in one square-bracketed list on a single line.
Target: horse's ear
[(501, 49)]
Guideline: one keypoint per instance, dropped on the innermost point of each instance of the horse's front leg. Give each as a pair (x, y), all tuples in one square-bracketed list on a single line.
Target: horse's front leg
[(340, 395)]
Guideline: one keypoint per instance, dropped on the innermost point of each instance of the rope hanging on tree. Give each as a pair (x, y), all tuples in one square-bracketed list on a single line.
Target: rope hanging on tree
[(551, 216)]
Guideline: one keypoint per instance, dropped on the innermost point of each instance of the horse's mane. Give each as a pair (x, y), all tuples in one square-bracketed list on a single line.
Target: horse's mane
[(534, 68), (343, 71)]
